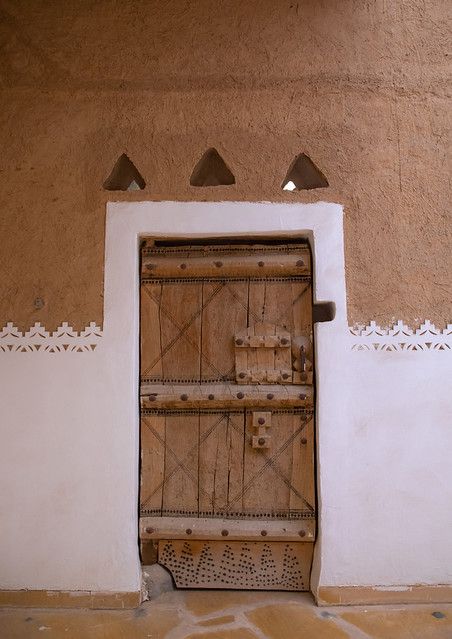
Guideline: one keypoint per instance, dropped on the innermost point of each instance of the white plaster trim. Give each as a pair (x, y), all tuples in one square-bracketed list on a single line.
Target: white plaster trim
[(321, 223), (400, 337), (63, 340)]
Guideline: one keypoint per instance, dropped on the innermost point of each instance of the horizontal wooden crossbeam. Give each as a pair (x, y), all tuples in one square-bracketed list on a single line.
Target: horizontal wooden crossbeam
[(254, 530), (257, 265), (226, 396)]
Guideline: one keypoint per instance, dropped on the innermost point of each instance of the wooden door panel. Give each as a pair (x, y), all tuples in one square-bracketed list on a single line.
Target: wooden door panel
[(226, 342), (151, 346), (180, 330), (224, 314), (152, 463), (235, 564), (270, 301), (180, 490), (268, 471), (301, 308), (203, 463), (220, 461), (302, 494), (286, 303)]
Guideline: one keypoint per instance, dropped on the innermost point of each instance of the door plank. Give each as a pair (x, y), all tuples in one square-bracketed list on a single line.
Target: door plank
[(267, 472), (224, 314), (302, 321), (301, 308), (180, 321), (180, 492), (303, 478), (152, 461), (220, 460), (151, 363), (266, 356)]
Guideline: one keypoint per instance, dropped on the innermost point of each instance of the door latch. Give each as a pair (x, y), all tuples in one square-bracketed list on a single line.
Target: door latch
[(261, 422)]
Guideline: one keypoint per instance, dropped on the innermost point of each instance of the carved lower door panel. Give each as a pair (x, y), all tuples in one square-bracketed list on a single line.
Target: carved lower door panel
[(238, 564), (227, 426)]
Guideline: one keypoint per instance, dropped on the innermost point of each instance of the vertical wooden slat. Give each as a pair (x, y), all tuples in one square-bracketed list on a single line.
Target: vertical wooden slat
[(255, 293), (180, 491), (266, 356), (279, 303), (242, 363), (220, 460), (256, 303), (302, 321), (251, 353), (303, 479), (271, 302), (180, 320), (151, 363), (301, 308), (267, 472), (283, 362), (224, 315), (152, 461)]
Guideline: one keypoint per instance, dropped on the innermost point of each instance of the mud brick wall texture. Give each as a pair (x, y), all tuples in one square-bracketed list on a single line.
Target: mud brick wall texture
[(359, 87)]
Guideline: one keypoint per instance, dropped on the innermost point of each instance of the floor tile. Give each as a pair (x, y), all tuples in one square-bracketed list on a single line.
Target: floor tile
[(403, 623), (295, 621)]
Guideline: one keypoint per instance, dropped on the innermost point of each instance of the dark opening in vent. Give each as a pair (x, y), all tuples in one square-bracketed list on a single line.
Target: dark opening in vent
[(124, 176), (211, 170), (303, 175)]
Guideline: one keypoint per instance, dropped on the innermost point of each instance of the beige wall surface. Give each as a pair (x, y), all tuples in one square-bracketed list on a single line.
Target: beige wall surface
[(360, 86)]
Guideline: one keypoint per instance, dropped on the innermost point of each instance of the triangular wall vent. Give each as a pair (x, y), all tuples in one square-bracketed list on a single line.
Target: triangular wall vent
[(124, 176), (303, 175), (211, 170)]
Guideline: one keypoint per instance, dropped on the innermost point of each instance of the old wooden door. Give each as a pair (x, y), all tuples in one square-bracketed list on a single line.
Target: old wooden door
[(227, 429)]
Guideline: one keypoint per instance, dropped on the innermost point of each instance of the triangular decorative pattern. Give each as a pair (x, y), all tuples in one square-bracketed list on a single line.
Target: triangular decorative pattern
[(211, 170), (370, 337), (244, 565), (400, 337), (303, 175), (124, 176), (37, 338)]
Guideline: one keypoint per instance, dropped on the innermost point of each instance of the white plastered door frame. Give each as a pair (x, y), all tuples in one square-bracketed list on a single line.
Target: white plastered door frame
[(321, 223)]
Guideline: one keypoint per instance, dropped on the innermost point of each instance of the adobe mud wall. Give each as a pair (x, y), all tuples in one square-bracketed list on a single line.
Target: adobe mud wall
[(358, 86)]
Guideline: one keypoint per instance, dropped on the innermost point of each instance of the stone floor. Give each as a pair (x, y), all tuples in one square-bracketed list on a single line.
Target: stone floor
[(231, 615)]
